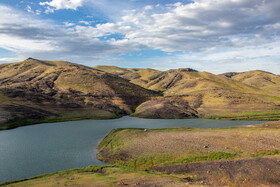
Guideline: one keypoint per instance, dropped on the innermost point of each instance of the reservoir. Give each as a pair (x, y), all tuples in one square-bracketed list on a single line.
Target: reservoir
[(37, 149)]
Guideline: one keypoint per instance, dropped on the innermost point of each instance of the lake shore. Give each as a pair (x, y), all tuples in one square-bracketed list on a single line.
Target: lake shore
[(254, 148), (104, 115), (243, 156)]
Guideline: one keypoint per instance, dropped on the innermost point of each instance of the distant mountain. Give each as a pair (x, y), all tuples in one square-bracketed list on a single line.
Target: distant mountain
[(54, 88)]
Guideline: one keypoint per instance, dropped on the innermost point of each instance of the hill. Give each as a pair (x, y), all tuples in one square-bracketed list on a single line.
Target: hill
[(260, 79), (137, 76), (35, 89), (186, 90)]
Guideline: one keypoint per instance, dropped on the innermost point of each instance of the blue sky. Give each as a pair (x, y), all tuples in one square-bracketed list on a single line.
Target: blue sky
[(207, 35)]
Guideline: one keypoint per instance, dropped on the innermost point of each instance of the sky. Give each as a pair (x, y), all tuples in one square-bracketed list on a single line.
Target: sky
[(207, 35)]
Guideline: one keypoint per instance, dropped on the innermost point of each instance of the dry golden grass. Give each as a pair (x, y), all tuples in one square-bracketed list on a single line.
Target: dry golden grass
[(180, 143), (260, 79)]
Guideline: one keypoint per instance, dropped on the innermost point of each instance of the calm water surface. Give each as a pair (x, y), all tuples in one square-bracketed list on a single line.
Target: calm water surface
[(38, 149)]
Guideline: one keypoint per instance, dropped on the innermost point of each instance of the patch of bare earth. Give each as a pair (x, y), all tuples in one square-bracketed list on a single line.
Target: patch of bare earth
[(243, 170), (187, 142), (248, 172)]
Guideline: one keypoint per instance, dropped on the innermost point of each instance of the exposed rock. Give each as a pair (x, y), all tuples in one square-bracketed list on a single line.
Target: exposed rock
[(229, 74), (5, 116)]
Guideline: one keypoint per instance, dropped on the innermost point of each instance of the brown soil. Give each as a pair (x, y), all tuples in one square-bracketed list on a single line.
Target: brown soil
[(252, 139), (249, 172), (243, 170)]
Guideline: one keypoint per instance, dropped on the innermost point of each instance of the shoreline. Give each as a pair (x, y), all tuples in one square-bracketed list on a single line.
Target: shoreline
[(195, 171), (247, 116)]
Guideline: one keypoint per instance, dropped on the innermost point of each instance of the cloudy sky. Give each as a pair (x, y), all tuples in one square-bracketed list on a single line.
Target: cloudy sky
[(208, 35)]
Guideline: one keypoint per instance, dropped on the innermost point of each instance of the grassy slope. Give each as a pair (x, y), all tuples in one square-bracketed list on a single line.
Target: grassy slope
[(260, 79), (180, 81), (140, 77), (67, 76), (82, 92), (58, 87), (211, 95)]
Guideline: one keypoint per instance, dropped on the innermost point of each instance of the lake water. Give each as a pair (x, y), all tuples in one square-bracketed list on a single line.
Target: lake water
[(44, 148)]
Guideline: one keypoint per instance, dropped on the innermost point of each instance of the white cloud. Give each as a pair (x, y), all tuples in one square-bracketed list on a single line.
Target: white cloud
[(49, 10), (263, 57), (64, 4), (202, 24), (45, 40), (85, 22), (29, 9), (148, 7), (208, 32), (68, 24)]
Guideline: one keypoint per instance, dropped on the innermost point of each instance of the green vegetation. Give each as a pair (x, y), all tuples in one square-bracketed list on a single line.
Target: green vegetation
[(89, 169), (266, 153), (262, 116), (72, 91), (150, 161), (106, 175), (145, 149), (273, 97), (137, 153), (67, 116)]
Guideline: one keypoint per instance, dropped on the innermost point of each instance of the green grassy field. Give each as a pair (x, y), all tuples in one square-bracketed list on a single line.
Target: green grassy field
[(262, 116)]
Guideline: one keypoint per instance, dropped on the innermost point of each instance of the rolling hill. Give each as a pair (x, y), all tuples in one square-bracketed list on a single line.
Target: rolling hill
[(35, 89), (260, 79), (207, 93)]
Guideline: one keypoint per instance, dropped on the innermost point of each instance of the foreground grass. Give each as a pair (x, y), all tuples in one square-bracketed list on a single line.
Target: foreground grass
[(106, 175), (136, 157)]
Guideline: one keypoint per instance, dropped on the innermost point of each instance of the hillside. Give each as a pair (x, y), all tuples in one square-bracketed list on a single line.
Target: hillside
[(35, 89), (138, 76), (186, 90), (260, 79), (176, 81)]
